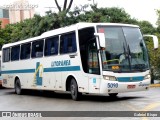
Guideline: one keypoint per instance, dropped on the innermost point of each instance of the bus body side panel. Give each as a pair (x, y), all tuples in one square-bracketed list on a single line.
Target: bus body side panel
[(72, 69), (48, 73)]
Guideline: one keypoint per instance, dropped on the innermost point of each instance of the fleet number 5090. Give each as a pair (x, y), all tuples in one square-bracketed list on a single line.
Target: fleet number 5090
[(112, 85)]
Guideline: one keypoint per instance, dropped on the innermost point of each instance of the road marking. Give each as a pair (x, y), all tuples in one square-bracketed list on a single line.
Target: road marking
[(130, 106), (149, 107), (155, 85)]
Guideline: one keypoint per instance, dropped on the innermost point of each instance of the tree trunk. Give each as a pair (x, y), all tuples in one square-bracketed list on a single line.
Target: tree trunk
[(59, 8), (70, 4), (65, 5), (65, 8)]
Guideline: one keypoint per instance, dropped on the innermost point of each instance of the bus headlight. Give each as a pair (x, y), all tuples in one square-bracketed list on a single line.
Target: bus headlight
[(148, 76), (106, 77)]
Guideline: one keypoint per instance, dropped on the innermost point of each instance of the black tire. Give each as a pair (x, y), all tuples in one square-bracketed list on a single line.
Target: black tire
[(74, 90), (113, 94), (18, 89)]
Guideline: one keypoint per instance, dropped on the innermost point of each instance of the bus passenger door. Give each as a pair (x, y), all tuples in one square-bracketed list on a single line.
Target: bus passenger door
[(93, 67)]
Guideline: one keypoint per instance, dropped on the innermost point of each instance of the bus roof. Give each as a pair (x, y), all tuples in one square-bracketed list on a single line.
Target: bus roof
[(80, 26), (66, 29)]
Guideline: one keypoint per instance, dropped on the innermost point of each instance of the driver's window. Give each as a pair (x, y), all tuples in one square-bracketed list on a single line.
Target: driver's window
[(93, 62)]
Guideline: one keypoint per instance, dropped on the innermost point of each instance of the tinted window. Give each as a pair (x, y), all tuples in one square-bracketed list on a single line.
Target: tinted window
[(51, 46), (5, 13), (85, 36), (37, 48), (25, 51), (6, 55), (15, 53), (68, 43)]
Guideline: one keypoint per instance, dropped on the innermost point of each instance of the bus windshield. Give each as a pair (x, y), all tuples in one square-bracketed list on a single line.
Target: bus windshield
[(125, 49)]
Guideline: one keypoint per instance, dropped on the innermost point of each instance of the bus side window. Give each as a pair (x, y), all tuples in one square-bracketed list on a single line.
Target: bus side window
[(25, 51), (51, 46), (6, 55), (68, 43), (93, 62), (15, 53), (37, 48)]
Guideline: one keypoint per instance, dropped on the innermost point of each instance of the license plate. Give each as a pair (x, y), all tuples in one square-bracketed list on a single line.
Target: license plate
[(131, 86)]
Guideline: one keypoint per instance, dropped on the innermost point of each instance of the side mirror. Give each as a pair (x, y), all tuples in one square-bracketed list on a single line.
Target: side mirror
[(102, 40), (155, 40)]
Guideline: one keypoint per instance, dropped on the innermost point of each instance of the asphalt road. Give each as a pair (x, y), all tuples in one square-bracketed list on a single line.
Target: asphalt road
[(56, 101)]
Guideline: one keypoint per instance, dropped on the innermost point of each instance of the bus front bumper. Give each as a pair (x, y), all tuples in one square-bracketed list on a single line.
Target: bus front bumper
[(119, 87)]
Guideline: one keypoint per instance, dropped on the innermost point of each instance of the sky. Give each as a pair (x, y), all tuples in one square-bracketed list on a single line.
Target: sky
[(139, 9)]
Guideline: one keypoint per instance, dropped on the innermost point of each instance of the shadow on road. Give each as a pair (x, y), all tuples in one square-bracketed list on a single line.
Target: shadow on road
[(59, 95), (108, 98), (1, 87)]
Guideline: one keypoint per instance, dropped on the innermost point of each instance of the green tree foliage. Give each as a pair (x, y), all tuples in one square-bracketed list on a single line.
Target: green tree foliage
[(0, 24), (146, 27), (154, 56), (158, 21), (114, 15)]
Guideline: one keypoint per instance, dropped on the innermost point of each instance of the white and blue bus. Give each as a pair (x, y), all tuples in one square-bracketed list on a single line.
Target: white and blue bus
[(94, 58)]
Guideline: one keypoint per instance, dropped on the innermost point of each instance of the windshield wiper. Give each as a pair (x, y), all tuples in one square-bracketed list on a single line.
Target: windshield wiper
[(129, 57), (125, 53)]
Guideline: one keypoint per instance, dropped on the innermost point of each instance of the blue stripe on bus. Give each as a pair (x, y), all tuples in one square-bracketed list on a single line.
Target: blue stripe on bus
[(18, 71), (56, 69), (130, 79)]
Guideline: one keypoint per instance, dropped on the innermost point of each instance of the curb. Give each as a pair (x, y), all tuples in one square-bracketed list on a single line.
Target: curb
[(155, 85)]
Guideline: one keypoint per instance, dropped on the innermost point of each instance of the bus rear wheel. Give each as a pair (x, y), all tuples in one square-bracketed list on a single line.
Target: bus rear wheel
[(74, 90), (113, 94), (18, 89)]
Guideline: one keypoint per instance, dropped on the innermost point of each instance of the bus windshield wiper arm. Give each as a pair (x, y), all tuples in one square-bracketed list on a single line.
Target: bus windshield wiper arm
[(129, 56), (125, 53)]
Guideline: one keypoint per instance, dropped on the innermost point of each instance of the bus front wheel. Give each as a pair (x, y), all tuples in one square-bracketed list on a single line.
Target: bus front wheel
[(74, 90), (18, 89)]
